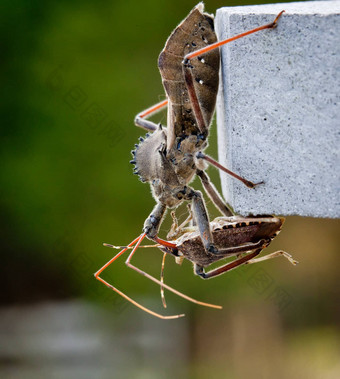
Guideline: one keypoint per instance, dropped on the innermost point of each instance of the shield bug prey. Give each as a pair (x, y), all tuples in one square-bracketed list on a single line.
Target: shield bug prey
[(170, 157), (233, 236), (241, 237), (236, 236)]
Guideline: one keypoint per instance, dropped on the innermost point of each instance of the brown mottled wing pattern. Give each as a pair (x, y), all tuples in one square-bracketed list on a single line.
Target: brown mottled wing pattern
[(228, 232), (193, 250), (195, 32)]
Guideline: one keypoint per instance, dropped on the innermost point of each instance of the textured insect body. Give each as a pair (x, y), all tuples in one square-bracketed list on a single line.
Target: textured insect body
[(170, 157), (195, 32), (233, 232), (168, 173), (166, 158), (243, 237)]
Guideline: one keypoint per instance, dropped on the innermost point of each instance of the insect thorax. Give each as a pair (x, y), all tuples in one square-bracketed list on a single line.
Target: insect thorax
[(167, 171)]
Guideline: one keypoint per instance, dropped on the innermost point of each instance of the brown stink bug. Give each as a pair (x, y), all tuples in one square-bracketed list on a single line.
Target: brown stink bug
[(170, 157), (235, 236)]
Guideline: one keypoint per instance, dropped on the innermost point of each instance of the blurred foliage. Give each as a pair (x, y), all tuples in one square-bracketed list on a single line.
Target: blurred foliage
[(74, 74)]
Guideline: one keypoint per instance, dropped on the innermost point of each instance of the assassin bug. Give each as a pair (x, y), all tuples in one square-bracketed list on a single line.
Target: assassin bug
[(169, 158)]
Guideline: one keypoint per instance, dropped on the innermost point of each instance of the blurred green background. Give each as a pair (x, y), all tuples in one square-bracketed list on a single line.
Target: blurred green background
[(73, 75)]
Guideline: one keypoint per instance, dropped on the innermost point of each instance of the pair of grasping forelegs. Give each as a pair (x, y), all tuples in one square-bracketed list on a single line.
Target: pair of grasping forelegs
[(200, 217)]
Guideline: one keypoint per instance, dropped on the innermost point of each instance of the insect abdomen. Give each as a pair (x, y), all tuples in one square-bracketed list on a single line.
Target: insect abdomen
[(195, 32)]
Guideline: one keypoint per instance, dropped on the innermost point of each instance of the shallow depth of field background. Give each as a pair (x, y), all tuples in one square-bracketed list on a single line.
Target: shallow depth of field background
[(73, 76)]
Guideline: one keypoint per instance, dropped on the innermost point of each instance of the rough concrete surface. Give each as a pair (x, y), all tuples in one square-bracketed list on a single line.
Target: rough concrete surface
[(278, 110)]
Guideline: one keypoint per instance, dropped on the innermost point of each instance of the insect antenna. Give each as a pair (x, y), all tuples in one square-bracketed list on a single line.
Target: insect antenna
[(162, 281), (129, 247), (162, 267), (178, 293), (134, 245), (135, 242)]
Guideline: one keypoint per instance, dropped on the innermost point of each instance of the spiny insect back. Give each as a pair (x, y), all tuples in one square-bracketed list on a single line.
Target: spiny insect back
[(168, 172)]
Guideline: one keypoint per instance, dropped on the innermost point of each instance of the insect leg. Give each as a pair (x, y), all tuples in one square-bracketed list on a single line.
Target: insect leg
[(199, 270), (128, 263), (212, 161), (138, 240), (279, 253), (193, 98), (174, 226), (213, 194), (177, 230), (152, 223), (189, 77), (202, 220), (140, 119), (220, 43)]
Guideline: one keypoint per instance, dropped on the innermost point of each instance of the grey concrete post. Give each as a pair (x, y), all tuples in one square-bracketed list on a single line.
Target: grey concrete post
[(278, 108)]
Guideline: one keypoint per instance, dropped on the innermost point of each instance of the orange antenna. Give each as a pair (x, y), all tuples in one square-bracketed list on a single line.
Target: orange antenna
[(135, 244)]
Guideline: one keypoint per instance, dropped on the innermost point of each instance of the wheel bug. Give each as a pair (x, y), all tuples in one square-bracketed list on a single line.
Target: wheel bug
[(169, 158)]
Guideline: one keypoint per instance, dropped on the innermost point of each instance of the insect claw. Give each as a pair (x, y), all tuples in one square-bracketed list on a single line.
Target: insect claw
[(212, 249), (132, 161), (162, 149), (250, 184), (141, 139), (277, 18), (186, 63)]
